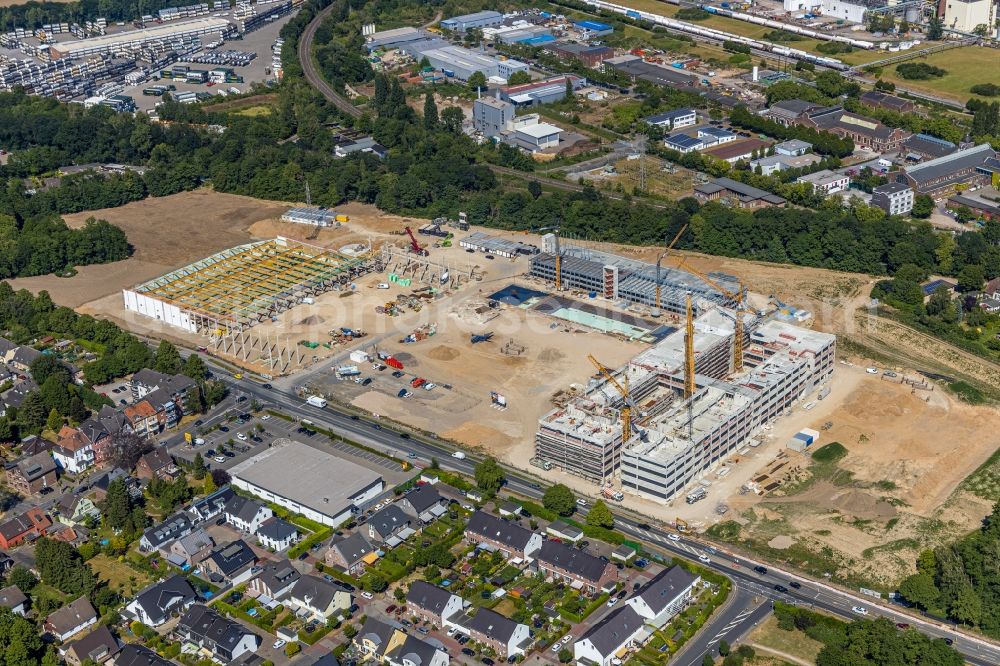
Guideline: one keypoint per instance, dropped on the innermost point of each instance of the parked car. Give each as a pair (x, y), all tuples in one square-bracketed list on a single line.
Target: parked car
[(612, 601), (367, 595), (468, 652), (581, 502), (278, 644), (674, 537), (860, 610)]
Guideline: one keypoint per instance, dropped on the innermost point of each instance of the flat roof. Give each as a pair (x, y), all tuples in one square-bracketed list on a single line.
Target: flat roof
[(320, 481), (151, 33), (539, 131)]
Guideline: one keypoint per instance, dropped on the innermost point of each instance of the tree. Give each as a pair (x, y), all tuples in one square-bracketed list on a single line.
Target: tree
[(209, 485), (723, 648), (198, 467), (62, 567), (23, 578), (565, 656), (707, 660), (33, 414), (430, 112), (935, 28), (518, 78), (116, 509), (399, 593), (971, 278), (46, 366), (920, 589), (452, 118), (600, 515), (220, 477), (54, 422), (489, 476), (560, 499), (20, 643), (923, 206), (477, 81), (376, 583), (967, 607), (126, 449), (194, 368), (168, 360), (534, 189)]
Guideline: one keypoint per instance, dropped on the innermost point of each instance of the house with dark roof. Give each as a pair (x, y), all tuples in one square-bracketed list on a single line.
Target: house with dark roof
[(564, 531), (664, 596), (30, 475), (733, 192), (174, 527), (318, 598), (424, 503), (246, 514), (71, 619), (138, 655), (351, 553), (211, 506), (23, 357), (926, 147), (510, 539), (504, 635), (146, 381), (675, 119), (190, 549), (13, 598), (604, 643), (101, 484), (99, 647), (154, 605), (276, 579), (376, 638), (578, 569), (230, 562), (942, 177), (28, 526), (683, 143), (75, 509), (863, 131), (431, 603), (277, 534), (390, 526), (225, 639), (787, 112), (417, 652), (158, 463), (881, 100)]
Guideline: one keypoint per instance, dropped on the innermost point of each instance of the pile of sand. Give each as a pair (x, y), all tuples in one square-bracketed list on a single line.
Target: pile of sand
[(781, 542), (312, 320), (444, 353), (860, 504)]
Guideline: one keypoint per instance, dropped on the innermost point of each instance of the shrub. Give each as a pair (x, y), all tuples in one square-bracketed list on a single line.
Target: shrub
[(985, 89), (919, 71), (831, 452)]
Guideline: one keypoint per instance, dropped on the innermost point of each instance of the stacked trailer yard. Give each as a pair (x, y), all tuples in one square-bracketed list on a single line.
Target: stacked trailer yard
[(223, 296)]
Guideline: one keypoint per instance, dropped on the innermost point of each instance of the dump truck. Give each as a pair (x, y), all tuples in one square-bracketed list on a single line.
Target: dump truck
[(612, 494)]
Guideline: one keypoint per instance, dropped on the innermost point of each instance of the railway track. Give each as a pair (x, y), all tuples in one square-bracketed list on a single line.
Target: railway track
[(312, 74)]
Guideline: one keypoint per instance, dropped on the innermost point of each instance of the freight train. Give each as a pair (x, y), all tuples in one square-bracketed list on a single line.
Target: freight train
[(758, 44)]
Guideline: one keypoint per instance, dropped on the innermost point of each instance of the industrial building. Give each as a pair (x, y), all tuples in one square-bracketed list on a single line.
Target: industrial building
[(501, 247), (135, 39), (317, 217), (593, 29), (944, 176), (491, 116), (391, 39), (967, 15), (461, 63), (532, 135), (307, 481), (675, 440), (239, 287), (639, 69), (673, 119), (476, 20), (545, 91), (618, 278), (591, 56), (826, 181)]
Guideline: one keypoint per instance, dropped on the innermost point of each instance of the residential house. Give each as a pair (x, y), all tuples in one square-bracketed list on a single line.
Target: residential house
[(277, 534), (211, 506), (6, 349), (71, 619), (99, 647), (6, 563), (100, 486), (231, 563), (154, 605), (510, 510), (351, 553), (174, 527), (672, 120), (100, 437), (992, 288), (424, 503), (390, 526), (942, 177), (787, 112), (28, 526), (510, 539), (579, 569), (22, 358), (318, 597), (276, 580), (13, 598), (30, 475), (564, 531), (144, 419), (167, 393), (826, 181), (75, 509), (733, 192), (505, 636), (417, 652), (246, 514), (605, 643), (73, 451), (190, 549), (432, 603), (664, 596), (865, 132), (158, 463), (376, 638), (137, 655), (221, 637), (775, 163), (881, 100)]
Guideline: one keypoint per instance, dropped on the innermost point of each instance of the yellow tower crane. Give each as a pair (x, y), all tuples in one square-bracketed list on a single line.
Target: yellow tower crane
[(627, 408), (661, 257), (740, 299)]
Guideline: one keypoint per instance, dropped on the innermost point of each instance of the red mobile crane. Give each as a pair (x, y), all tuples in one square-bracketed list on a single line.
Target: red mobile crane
[(415, 247)]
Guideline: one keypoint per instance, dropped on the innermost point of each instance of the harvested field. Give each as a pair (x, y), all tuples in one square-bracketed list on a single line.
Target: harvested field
[(794, 646), (265, 101)]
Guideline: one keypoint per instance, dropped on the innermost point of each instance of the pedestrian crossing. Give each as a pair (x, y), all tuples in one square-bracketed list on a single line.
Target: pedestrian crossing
[(736, 621)]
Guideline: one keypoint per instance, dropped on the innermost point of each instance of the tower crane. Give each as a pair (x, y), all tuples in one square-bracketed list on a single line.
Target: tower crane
[(739, 298), (623, 390), (689, 386), (661, 257)]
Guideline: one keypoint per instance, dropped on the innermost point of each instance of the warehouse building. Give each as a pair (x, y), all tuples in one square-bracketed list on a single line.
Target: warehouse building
[(131, 40), (532, 135), (967, 15), (593, 29), (393, 39), (942, 177), (317, 217), (501, 247), (591, 56), (237, 288), (476, 20), (640, 70), (545, 91), (462, 63), (307, 481)]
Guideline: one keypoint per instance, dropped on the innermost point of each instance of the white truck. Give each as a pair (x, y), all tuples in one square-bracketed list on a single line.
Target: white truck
[(316, 401), (458, 454), (347, 371)]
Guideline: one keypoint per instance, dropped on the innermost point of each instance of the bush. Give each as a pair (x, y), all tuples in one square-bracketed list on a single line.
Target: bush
[(833, 48), (919, 71), (831, 452), (985, 89), (692, 14)]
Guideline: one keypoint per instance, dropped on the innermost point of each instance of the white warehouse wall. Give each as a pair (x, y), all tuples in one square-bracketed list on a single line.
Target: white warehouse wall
[(159, 310)]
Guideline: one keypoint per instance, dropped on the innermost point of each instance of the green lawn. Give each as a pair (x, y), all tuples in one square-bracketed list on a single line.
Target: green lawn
[(119, 575), (966, 67), (794, 643)]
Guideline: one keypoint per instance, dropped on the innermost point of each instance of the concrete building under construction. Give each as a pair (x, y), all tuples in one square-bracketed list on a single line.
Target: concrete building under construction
[(237, 288), (618, 278), (675, 440)]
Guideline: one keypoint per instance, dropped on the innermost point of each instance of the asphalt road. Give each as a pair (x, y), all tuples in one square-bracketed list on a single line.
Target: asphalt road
[(813, 594)]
